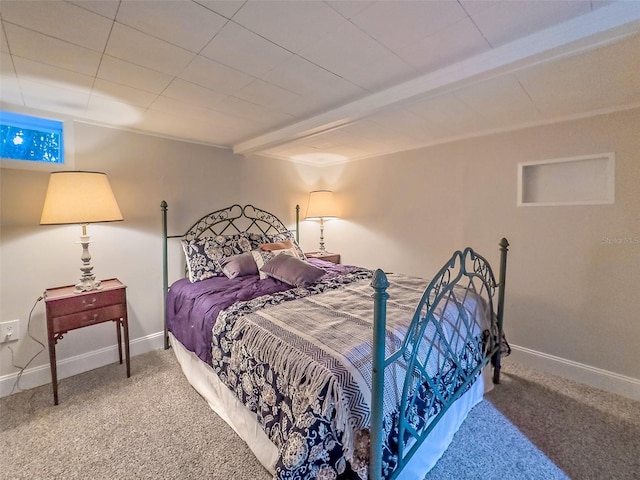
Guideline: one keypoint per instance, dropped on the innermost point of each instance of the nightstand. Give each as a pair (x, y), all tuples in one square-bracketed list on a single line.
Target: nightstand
[(68, 310), (327, 257)]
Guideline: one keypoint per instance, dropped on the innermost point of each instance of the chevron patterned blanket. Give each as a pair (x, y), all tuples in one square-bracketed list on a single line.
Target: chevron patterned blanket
[(304, 367)]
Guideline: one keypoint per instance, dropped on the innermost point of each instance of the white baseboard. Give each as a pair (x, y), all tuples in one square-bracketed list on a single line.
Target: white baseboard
[(595, 377), (41, 375)]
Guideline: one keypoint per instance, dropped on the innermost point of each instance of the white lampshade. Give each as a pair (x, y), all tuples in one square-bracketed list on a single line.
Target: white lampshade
[(321, 205), (79, 197)]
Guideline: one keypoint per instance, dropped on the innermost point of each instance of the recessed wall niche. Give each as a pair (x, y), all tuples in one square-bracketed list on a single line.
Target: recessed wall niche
[(585, 180)]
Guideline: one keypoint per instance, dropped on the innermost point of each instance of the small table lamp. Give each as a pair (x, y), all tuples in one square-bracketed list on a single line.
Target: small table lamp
[(80, 197), (321, 206)]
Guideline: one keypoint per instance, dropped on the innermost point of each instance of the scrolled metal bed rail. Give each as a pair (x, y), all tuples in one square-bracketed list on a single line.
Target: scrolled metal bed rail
[(465, 269)]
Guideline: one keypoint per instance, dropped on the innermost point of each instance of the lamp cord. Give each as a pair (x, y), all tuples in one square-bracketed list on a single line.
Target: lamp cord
[(16, 385)]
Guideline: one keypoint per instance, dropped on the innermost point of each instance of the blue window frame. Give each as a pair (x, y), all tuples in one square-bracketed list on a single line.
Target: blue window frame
[(32, 139)]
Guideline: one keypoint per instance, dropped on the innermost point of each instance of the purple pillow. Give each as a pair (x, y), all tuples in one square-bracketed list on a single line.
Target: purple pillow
[(238, 265), (292, 270)]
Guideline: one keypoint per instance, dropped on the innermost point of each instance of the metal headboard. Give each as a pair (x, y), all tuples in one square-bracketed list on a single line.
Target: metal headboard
[(226, 221)]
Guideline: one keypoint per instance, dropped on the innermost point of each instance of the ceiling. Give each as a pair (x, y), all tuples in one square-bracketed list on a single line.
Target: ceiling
[(320, 82)]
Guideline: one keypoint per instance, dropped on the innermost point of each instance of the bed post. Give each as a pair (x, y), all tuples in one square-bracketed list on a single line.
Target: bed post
[(504, 247), (298, 224), (380, 296), (165, 273)]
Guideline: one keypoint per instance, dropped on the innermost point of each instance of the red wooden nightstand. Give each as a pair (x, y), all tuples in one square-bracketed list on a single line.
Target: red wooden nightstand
[(67, 310)]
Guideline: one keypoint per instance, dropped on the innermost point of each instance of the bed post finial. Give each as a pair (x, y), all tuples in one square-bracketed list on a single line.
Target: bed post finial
[(496, 360), (380, 284)]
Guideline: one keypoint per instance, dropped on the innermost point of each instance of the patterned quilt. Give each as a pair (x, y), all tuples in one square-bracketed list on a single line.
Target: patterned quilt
[(304, 368)]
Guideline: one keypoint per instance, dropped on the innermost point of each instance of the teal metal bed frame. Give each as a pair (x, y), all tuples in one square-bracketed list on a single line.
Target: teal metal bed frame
[(465, 269)]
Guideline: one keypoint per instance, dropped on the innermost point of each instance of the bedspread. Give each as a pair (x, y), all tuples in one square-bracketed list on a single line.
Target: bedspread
[(304, 367), (192, 308)]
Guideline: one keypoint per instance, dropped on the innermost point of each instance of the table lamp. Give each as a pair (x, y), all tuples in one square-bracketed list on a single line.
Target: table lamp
[(321, 206), (82, 198)]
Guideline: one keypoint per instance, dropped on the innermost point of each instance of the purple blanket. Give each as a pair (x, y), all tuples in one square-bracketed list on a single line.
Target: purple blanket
[(192, 308)]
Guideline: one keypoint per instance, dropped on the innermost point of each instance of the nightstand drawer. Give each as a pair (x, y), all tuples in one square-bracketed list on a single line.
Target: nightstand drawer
[(97, 299), (90, 317)]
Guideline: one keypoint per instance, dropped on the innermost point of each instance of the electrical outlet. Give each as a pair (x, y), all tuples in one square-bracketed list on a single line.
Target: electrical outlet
[(9, 331)]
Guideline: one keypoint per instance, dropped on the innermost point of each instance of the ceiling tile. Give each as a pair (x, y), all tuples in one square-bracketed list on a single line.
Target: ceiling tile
[(194, 94), (9, 87), (349, 8), (565, 86), (135, 76), (175, 107), (251, 111), (239, 48), (473, 7), (292, 25), (384, 72), (106, 8), (122, 93), (460, 41), (267, 95), (215, 76), (40, 48), (418, 20), (299, 75), (347, 51), (60, 20), (186, 24), (50, 75), (110, 111), (501, 99), (141, 49), (450, 113), (411, 125), (507, 21), (3, 40), (226, 8), (54, 99)]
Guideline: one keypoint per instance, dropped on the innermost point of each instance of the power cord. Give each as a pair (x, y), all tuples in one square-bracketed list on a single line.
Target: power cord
[(16, 385)]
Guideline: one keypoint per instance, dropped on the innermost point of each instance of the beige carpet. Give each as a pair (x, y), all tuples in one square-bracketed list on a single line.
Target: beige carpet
[(154, 425)]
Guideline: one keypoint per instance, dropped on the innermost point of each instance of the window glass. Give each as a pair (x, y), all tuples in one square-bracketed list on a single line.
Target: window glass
[(31, 139)]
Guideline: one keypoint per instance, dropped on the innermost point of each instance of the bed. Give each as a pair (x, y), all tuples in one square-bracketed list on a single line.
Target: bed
[(330, 371)]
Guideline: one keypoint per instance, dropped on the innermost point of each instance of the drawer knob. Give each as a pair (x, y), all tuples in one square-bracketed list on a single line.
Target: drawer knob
[(86, 304)]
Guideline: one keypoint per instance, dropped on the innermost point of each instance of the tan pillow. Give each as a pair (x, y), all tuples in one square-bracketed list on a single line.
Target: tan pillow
[(268, 247)]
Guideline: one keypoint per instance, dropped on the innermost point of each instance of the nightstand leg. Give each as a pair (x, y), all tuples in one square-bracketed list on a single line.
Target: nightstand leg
[(54, 371), (117, 322)]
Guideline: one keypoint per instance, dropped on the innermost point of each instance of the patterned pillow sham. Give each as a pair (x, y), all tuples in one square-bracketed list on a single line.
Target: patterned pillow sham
[(203, 255), (261, 257)]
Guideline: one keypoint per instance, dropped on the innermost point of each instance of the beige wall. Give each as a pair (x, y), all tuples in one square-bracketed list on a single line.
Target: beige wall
[(143, 170), (570, 294)]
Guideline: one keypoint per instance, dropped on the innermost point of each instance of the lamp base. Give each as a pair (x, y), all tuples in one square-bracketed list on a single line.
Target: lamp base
[(87, 285), (87, 281)]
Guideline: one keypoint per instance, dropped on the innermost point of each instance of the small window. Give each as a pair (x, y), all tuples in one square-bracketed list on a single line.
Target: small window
[(31, 139)]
